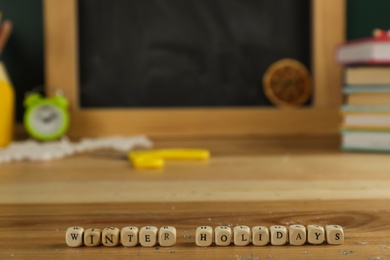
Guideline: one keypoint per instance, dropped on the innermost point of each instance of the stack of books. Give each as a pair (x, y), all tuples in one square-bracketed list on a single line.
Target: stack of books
[(366, 112)]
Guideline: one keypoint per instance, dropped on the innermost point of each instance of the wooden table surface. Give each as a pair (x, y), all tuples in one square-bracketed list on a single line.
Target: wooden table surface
[(247, 181)]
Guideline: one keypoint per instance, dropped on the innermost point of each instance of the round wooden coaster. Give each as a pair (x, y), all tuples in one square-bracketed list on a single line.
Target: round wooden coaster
[(287, 83)]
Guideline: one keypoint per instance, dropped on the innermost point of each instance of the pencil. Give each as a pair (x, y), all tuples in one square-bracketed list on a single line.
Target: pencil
[(5, 31)]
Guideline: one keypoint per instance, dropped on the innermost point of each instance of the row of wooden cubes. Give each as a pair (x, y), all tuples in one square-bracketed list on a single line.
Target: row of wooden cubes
[(149, 236), (128, 236), (276, 235)]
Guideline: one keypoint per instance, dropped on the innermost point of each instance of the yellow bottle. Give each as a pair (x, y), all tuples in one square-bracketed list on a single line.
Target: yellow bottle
[(7, 100)]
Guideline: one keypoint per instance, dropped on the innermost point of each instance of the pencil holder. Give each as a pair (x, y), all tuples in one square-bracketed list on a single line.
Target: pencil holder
[(7, 106)]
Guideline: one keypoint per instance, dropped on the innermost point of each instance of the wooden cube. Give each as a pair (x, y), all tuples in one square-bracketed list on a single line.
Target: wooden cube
[(223, 235), (279, 235), (260, 236), (167, 236), (92, 237), (110, 236), (148, 236), (74, 236), (297, 235), (334, 234), (204, 236), (129, 236), (242, 235), (315, 234)]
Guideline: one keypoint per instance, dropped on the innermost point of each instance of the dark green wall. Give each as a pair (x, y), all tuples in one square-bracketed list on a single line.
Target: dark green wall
[(23, 55), (365, 15)]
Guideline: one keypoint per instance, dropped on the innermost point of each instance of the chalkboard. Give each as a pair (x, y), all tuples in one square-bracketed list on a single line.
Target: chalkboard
[(186, 53)]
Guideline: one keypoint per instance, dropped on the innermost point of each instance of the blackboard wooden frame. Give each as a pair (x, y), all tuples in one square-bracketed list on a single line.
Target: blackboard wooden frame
[(61, 67)]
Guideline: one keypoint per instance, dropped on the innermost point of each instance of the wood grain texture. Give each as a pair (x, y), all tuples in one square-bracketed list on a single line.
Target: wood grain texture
[(61, 50), (329, 31), (61, 55), (240, 169), (38, 231), (248, 181), (204, 122)]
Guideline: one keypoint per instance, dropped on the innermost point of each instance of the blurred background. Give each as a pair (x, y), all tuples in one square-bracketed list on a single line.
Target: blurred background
[(24, 54)]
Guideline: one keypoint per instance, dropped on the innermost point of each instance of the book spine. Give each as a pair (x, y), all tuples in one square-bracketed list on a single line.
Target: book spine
[(348, 89)]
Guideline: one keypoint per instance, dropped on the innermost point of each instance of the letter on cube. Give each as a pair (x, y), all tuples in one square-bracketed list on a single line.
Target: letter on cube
[(74, 236), (334, 234), (297, 235), (278, 235), (260, 236), (167, 236), (204, 236), (242, 235), (92, 237), (110, 236), (148, 236), (223, 235), (315, 234), (129, 236)]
